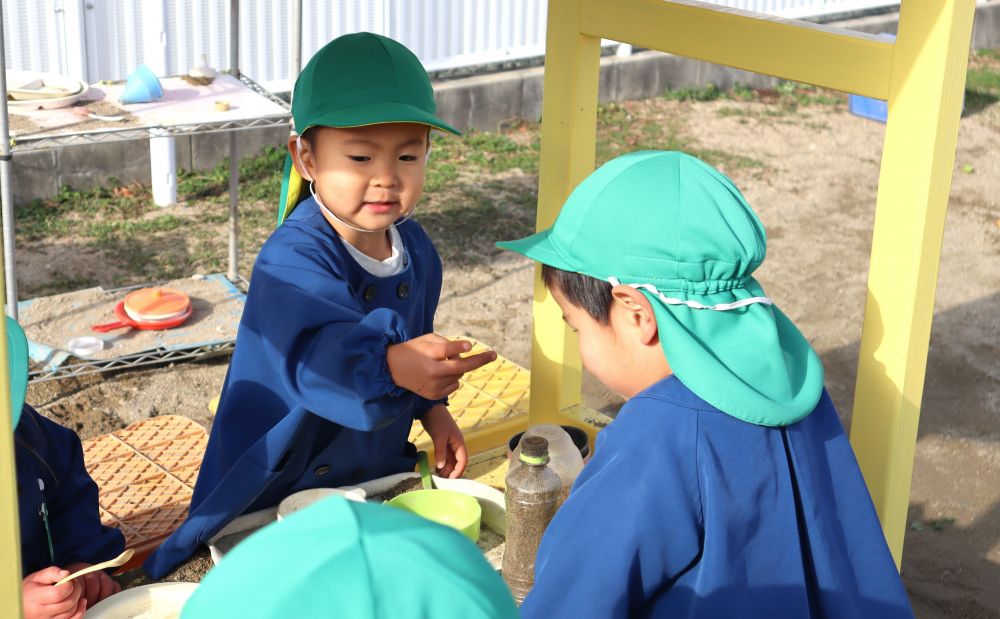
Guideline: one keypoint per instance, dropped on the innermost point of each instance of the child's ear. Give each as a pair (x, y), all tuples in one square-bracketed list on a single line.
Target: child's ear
[(301, 155), (637, 312)]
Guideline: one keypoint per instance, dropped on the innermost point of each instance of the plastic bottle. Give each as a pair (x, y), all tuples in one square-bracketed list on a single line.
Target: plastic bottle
[(532, 497), (564, 456)]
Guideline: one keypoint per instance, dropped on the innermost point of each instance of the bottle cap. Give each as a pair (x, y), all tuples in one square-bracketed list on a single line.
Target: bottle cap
[(534, 450)]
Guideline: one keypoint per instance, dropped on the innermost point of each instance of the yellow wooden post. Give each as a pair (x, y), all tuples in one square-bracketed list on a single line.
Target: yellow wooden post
[(925, 100), (10, 535), (569, 135)]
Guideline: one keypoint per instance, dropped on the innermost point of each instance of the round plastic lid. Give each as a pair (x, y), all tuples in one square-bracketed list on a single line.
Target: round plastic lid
[(156, 304), (85, 346)]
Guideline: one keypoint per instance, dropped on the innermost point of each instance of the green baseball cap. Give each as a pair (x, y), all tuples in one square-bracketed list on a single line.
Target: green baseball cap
[(17, 368), (340, 558), (357, 80), (677, 229)]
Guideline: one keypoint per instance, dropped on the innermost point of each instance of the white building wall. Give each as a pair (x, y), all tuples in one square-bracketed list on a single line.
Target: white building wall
[(107, 39)]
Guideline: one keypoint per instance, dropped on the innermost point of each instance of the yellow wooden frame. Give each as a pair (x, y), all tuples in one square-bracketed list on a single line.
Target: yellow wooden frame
[(921, 75)]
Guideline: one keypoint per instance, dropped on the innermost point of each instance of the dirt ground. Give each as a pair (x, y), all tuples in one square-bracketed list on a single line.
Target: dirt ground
[(814, 187)]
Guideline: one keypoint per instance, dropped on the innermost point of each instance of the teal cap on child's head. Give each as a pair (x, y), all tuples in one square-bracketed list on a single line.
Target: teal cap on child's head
[(364, 79), (340, 558), (17, 367), (682, 233)]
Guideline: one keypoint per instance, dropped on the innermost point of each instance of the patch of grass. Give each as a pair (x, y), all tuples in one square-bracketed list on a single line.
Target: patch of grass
[(935, 524), (741, 92), (983, 79), (806, 94), (989, 53), (726, 161), (982, 86), (734, 111), (708, 92), (466, 222)]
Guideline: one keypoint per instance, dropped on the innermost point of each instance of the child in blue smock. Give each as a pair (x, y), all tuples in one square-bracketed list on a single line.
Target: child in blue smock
[(60, 523), (725, 486), (335, 353)]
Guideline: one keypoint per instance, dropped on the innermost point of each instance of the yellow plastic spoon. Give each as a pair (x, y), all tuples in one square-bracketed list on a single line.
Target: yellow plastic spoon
[(121, 559)]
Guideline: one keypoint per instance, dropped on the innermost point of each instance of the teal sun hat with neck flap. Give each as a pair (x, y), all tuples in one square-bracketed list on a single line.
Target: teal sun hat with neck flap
[(17, 368), (678, 230), (339, 558), (357, 80)]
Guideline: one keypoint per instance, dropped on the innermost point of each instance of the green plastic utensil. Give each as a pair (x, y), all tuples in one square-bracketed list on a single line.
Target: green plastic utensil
[(425, 471)]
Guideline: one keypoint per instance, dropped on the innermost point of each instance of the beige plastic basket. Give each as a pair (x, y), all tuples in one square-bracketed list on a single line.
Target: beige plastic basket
[(145, 475)]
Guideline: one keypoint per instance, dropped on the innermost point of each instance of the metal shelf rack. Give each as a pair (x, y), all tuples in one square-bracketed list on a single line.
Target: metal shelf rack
[(33, 143)]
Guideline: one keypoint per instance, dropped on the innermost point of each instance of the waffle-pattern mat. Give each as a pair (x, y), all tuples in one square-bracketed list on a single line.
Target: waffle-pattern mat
[(489, 395), (146, 474)]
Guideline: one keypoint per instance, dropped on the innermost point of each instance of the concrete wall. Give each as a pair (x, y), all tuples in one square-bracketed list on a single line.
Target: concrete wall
[(482, 102)]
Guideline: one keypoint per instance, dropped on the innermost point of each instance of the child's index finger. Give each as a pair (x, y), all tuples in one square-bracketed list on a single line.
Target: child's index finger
[(472, 361)]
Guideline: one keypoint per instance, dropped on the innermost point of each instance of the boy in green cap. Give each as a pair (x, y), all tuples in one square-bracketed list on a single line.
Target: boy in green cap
[(340, 559), (725, 486), (335, 354)]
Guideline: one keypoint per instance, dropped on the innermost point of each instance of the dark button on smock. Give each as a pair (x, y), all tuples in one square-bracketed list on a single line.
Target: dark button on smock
[(403, 290), (321, 470), (369, 293)]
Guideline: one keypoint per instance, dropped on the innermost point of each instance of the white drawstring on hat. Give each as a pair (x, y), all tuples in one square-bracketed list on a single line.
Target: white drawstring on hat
[(328, 212), (720, 307)]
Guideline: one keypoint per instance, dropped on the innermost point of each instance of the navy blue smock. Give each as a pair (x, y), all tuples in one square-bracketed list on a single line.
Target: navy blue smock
[(685, 511), (47, 451), (308, 400)]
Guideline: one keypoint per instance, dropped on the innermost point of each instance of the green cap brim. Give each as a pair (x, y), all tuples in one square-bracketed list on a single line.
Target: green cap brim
[(17, 366), (539, 247)]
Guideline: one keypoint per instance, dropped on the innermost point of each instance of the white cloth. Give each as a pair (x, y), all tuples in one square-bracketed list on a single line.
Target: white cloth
[(382, 268)]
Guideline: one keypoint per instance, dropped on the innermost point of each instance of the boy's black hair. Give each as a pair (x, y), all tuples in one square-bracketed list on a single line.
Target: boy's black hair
[(590, 294)]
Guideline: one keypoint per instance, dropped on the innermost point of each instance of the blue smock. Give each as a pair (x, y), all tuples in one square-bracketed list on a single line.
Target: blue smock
[(685, 511), (308, 401), (46, 451)]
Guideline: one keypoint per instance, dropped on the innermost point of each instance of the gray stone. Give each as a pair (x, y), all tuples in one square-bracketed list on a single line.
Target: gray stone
[(608, 81), (986, 27), (210, 149), (483, 101), (639, 76), (90, 165), (33, 175), (532, 83)]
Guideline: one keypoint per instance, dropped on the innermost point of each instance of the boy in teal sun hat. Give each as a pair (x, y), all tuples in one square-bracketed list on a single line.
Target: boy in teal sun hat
[(335, 354), (346, 560), (725, 487)]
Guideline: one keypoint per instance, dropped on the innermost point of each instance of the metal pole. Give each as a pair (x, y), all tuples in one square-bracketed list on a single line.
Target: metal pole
[(234, 162), (296, 43), (162, 147), (6, 195), (234, 198)]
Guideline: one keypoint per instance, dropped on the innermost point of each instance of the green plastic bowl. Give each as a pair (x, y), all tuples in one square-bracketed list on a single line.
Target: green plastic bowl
[(453, 509)]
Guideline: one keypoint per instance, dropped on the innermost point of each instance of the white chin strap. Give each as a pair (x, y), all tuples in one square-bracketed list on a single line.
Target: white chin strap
[(721, 307), (329, 213)]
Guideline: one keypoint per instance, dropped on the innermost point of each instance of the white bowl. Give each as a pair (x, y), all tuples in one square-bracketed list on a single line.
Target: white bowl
[(301, 500), (159, 601), (85, 346)]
